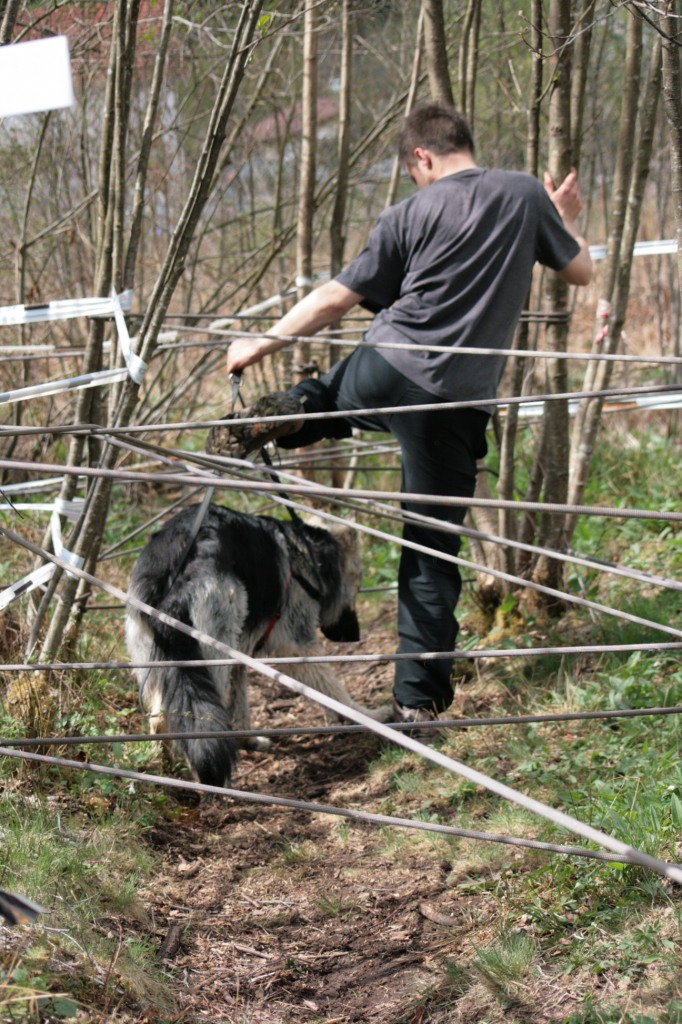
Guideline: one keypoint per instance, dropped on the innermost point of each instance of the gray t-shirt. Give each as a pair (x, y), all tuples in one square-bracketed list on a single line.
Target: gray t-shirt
[(451, 266)]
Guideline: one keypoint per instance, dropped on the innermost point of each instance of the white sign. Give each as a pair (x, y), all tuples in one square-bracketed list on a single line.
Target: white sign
[(35, 76)]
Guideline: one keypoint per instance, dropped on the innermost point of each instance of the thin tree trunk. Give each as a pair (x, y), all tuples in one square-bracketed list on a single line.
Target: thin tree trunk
[(507, 520), (472, 64), (86, 538), (436, 48), (606, 337), (555, 420), (337, 233), (672, 94), (581, 63), (306, 190), (411, 97), (463, 61), (145, 148), (591, 409), (92, 360), (22, 259), (536, 79)]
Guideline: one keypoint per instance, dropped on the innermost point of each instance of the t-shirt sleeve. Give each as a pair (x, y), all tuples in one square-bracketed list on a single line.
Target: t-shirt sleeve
[(377, 272), (556, 247)]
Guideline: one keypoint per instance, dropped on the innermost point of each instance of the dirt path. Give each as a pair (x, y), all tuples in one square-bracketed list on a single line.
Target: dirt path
[(273, 916)]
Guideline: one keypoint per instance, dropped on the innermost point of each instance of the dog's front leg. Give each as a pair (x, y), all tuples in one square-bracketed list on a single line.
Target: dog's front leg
[(323, 678)]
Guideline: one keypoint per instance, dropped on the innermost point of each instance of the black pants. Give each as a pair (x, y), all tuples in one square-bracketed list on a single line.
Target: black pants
[(439, 451)]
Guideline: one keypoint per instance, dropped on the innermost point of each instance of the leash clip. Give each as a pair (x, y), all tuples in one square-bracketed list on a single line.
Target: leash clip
[(236, 379)]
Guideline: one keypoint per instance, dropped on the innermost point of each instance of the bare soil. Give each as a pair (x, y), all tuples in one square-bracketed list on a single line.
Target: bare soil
[(273, 916)]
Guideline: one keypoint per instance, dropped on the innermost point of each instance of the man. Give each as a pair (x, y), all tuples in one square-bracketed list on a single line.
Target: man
[(448, 267)]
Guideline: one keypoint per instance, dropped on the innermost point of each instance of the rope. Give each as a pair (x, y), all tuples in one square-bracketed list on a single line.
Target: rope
[(95, 429), (457, 560), (404, 516), (336, 493), (407, 347), (302, 805), (335, 730), (540, 588), (397, 516), (342, 659), (566, 821)]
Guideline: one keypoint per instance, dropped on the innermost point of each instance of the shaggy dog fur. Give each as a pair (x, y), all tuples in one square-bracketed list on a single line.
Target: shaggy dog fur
[(259, 584)]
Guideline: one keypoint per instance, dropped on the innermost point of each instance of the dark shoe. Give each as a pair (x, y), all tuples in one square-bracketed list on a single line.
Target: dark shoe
[(237, 440), (422, 732)]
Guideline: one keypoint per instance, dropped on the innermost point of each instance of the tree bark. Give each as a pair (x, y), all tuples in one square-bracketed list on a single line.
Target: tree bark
[(555, 420), (606, 338), (589, 413), (436, 48), (86, 538), (672, 95), (306, 190), (9, 18)]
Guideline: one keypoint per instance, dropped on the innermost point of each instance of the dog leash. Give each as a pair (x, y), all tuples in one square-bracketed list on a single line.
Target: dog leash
[(313, 591), (202, 511)]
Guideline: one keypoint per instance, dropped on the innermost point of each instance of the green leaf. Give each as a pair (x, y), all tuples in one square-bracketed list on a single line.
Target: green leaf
[(64, 1007)]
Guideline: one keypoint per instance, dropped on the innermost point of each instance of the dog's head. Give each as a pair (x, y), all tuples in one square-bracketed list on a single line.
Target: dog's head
[(346, 629), (340, 572), (335, 579)]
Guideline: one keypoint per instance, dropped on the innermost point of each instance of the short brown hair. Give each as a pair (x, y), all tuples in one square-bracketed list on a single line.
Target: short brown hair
[(437, 127)]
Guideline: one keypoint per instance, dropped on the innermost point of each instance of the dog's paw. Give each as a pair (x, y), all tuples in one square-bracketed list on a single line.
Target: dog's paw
[(257, 743)]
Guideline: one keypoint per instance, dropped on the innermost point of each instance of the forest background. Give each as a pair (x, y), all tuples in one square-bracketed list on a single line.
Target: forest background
[(223, 159)]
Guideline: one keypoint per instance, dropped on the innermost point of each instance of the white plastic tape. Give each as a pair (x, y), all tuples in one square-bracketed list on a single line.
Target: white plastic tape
[(31, 486), (660, 247), (136, 366), (63, 309), (57, 387), (37, 578), (58, 544)]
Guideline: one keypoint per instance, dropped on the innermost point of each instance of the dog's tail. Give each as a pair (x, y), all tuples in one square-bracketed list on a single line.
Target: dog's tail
[(181, 699), (184, 700)]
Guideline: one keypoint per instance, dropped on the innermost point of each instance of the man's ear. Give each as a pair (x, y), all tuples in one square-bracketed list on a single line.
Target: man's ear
[(423, 156)]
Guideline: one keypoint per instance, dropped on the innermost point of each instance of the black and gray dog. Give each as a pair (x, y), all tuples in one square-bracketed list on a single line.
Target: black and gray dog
[(262, 586)]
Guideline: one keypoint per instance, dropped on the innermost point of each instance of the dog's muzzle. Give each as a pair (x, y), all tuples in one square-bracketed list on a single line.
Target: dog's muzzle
[(345, 630)]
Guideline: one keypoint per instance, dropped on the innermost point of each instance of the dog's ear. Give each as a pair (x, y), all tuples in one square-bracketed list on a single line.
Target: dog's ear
[(345, 630), (348, 544), (348, 540)]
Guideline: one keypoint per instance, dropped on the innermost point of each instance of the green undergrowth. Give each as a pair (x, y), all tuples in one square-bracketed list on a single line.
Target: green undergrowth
[(89, 956), (585, 924), (549, 938)]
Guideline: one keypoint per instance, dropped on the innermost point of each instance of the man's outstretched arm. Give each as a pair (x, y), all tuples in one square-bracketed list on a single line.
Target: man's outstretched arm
[(318, 309)]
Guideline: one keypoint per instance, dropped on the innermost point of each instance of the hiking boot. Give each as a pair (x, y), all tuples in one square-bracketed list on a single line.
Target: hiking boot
[(237, 440), (424, 733)]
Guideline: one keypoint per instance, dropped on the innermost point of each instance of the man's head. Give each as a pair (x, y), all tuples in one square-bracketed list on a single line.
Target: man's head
[(437, 127), (434, 129)]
